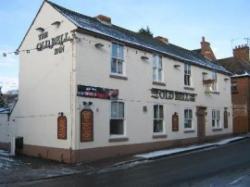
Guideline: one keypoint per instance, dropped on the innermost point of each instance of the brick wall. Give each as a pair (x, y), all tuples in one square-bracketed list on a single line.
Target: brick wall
[(241, 107)]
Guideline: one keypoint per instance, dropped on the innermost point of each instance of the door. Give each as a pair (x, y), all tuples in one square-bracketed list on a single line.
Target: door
[(87, 126), (201, 114)]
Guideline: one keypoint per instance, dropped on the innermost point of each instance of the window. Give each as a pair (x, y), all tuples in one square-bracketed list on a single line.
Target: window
[(158, 118), (117, 118), (214, 84), (187, 75), (117, 62), (234, 87), (157, 69), (188, 115), (215, 118)]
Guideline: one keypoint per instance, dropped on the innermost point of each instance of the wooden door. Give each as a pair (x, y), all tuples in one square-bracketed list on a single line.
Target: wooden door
[(87, 126), (201, 114)]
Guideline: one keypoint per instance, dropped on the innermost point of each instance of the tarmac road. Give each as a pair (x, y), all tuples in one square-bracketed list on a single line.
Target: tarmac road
[(227, 165)]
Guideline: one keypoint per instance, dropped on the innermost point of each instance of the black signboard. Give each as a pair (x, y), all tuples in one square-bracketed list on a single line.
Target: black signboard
[(97, 92)]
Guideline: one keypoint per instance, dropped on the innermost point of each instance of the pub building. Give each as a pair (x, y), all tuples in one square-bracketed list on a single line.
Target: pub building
[(91, 90)]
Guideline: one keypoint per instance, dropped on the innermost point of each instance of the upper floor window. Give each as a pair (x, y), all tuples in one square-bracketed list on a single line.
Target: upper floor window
[(117, 62), (215, 118), (188, 116), (117, 118), (214, 84), (187, 75), (157, 68), (158, 119)]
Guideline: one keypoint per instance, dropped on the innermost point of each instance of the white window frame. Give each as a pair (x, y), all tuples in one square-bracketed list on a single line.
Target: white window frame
[(187, 73), (216, 119), (188, 118), (122, 118), (158, 117), (158, 67), (120, 58), (214, 85)]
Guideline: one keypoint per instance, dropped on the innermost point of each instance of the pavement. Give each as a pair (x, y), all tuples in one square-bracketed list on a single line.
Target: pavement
[(227, 165), (21, 169)]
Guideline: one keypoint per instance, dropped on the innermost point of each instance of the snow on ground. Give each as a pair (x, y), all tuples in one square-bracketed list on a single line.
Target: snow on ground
[(167, 152)]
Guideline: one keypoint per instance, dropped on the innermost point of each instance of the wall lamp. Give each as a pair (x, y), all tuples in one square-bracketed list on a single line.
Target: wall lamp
[(56, 23), (144, 58), (87, 103), (40, 29), (176, 66), (99, 45)]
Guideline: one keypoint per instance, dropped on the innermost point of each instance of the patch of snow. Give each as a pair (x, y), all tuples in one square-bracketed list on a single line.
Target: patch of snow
[(4, 153), (237, 180), (167, 152), (226, 141), (241, 75)]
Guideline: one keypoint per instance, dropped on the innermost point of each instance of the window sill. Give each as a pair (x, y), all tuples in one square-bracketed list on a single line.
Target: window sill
[(118, 139), (217, 129), (156, 136), (189, 88), (189, 131), (117, 76), (159, 83)]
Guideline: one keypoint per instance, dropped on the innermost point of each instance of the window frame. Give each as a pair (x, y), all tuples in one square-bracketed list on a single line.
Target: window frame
[(188, 73), (158, 118), (113, 57), (158, 65), (192, 126), (214, 85), (113, 118), (216, 119)]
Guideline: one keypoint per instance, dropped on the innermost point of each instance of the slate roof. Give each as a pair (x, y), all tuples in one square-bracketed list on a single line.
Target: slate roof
[(236, 66), (92, 25)]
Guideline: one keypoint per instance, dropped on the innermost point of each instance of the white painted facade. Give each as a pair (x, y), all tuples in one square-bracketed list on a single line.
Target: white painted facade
[(48, 86)]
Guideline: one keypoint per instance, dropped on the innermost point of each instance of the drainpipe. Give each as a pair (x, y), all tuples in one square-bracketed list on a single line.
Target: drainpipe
[(72, 97)]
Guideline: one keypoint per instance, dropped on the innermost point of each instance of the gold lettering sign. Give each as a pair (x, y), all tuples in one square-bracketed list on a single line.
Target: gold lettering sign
[(87, 126), (62, 127)]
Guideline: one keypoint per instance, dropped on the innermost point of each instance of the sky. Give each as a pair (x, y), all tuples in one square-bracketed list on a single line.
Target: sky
[(224, 23)]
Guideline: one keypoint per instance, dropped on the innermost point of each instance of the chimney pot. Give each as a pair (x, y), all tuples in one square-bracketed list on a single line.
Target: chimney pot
[(104, 19), (242, 52)]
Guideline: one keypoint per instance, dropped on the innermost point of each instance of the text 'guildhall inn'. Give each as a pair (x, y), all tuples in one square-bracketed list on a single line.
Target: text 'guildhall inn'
[(91, 90)]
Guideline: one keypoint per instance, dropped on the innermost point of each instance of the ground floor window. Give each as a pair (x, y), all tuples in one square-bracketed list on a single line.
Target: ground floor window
[(158, 119), (188, 115), (215, 118), (117, 118)]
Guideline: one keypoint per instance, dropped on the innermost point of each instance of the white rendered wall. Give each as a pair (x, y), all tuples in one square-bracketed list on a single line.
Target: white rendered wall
[(45, 85), (93, 69)]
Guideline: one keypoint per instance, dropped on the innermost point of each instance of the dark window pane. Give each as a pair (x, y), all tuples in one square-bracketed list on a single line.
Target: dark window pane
[(116, 127), (158, 126)]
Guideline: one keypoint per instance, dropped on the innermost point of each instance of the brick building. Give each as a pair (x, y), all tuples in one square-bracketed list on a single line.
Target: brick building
[(239, 65)]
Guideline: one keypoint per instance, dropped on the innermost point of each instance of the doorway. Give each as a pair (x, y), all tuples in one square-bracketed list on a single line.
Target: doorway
[(201, 122)]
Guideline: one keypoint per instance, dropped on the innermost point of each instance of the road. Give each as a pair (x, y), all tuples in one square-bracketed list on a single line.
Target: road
[(227, 165)]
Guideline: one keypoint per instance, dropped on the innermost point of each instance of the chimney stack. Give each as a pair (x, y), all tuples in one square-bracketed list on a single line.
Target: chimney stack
[(206, 50), (241, 52), (104, 19), (161, 39)]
